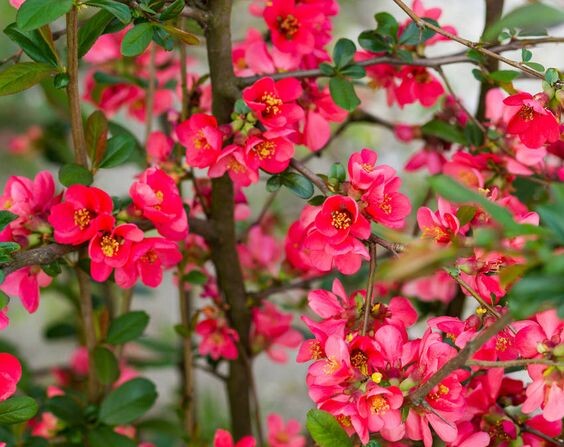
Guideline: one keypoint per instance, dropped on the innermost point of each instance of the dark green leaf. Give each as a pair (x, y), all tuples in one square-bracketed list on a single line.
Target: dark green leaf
[(444, 131), (34, 14), (118, 10), (535, 66), (354, 71), (326, 69), (173, 10), (22, 76), (105, 365), (17, 410), (196, 277), (316, 200), (387, 25), (106, 437), (372, 41), (338, 172), (504, 75), (162, 38), (478, 75), (61, 80), (66, 409), (465, 214), (552, 75), (53, 269), (4, 300), (32, 43), (118, 151), (89, 32), (526, 55), (127, 327), (473, 134), (72, 174), (274, 183), (128, 402), (96, 136), (325, 430), (410, 35), (6, 217), (342, 92), (300, 185), (343, 53), (60, 330), (528, 18), (137, 39), (534, 291)]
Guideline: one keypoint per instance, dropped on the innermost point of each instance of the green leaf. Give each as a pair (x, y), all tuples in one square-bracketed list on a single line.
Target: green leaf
[(274, 183), (105, 437), (338, 172), (20, 77), (196, 277), (60, 330), (96, 136), (326, 69), (127, 327), (410, 35), (504, 75), (343, 53), (552, 75), (118, 151), (118, 10), (66, 409), (72, 174), (526, 55), (32, 43), (172, 11), (325, 430), (534, 291), (34, 14), (387, 25), (6, 217), (354, 71), (300, 185), (61, 80), (181, 35), (89, 32), (373, 41), (17, 410), (342, 92), (128, 402), (535, 66), (105, 365), (137, 39), (316, 200), (444, 131), (465, 214), (4, 300), (528, 18), (473, 134)]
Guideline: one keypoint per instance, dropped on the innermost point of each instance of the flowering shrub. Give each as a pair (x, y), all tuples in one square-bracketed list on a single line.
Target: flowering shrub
[(411, 312)]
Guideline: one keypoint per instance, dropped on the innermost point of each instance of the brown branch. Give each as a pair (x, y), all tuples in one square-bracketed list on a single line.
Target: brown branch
[(150, 94), (281, 288), (188, 401), (37, 256), (457, 362), (394, 247), (307, 173), (370, 286), (513, 363)]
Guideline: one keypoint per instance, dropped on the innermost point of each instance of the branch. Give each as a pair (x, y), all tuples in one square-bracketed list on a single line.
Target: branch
[(37, 256), (307, 173), (293, 285), (370, 286), (459, 360), (513, 363), (394, 247)]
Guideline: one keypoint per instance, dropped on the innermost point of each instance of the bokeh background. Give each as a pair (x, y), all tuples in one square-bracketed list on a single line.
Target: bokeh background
[(280, 387)]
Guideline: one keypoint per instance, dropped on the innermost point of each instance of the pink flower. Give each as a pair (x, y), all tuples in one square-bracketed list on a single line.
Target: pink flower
[(223, 438), (218, 339), (111, 248), (417, 84), (363, 171), (385, 204), (159, 147), (292, 26), (84, 211), (25, 284), (10, 375), (440, 286), (340, 218), (379, 411), (148, 259), (17, 3), (282, 434), (442, 225), (534, 124), (271, 154), (274, 102), (156, 196), (202, 138), (233, 160)]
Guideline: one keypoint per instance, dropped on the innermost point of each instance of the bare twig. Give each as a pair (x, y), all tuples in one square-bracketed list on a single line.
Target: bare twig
[(513, 363), (370, 286), (150, 95), (307, 173), (394, 247)]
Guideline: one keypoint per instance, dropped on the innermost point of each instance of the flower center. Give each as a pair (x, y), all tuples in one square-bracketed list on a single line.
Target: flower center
[(367, 167), (501, 344), (272, 102), (341, 220), (435, 232), (527, 113), (344, 420), (200, 141), (82, 218), (386, 205), (150, 257), (316, 351), (442, 391), (288, 26), (236, 167), (265, 149), (331, 365), (379, 405), (360, 361), (110, 246)]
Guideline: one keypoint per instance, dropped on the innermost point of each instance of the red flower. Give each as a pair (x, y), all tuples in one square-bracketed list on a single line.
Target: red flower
[(339, 217), (385, 204), (201, 137), (234, 162), (417, 84), (292, 26), (83, 213), (156, 195), (223, 438), (10, 375), (274, 102), (534, 124), (271, 154), (111, 249)]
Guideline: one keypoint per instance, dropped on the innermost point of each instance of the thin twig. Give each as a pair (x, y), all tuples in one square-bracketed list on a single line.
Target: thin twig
[(394, 247), (293, 285), (513, 363), (150, 96), (370, 286), (474, 294), (307, 173)]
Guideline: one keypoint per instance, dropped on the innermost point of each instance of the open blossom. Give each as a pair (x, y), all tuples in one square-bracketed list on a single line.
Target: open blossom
[(147, 260), (532, 122), (84, 211), (218, 339), (441, 225), (202, 138), (292, 25), (363, 171), (223, 438), (340, 218), (159, 147), (25, 283), (234, 161), (282, 434), (417, 84), (111, 248), (274, 103), (271, 154), (156, 196), (10, 375), (385, 204)]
